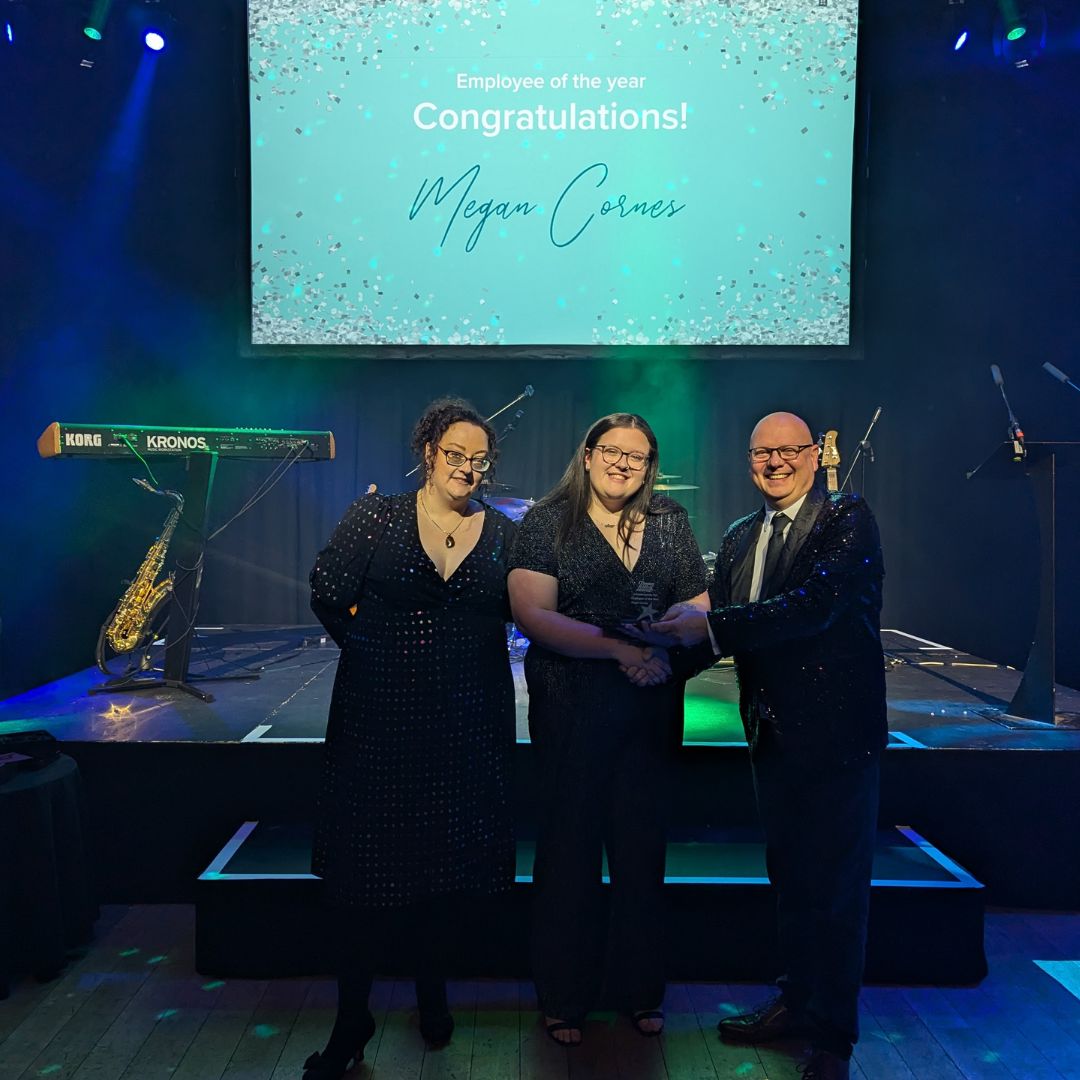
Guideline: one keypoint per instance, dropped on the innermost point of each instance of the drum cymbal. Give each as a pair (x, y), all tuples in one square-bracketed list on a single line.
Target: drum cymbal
[(667, 476), (675, 487)]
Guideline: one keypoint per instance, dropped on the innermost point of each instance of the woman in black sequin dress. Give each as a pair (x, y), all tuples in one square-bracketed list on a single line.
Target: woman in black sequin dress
[(600, 550), (414, 809)]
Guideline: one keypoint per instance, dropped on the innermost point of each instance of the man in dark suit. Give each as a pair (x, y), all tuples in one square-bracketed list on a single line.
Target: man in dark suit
[(796, 600)]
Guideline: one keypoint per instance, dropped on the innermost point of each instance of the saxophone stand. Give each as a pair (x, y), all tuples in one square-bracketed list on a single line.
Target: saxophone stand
[(190, 548)]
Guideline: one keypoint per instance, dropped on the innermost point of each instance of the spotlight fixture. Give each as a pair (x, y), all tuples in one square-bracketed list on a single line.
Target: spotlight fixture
[(1019, 33), (956, 28), (94, 27), (14, 22), (153, 22)]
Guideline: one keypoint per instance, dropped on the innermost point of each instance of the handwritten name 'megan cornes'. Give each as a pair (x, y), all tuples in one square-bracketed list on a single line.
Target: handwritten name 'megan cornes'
[(564, 224)]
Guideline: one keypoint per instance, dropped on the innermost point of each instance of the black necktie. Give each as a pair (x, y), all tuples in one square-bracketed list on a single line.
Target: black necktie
[(772, 554)]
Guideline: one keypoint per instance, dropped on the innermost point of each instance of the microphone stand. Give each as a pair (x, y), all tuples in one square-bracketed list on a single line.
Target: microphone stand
[(864, 445), (1016, 434), (1060, 375), (510, 426), (488, 485), (527, 392)]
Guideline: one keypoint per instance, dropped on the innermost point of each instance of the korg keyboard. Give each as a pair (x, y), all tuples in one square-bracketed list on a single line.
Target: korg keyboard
[(127, 440)]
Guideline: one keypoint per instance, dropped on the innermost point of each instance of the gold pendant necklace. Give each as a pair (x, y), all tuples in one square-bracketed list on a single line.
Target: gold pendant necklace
[(449, 535)]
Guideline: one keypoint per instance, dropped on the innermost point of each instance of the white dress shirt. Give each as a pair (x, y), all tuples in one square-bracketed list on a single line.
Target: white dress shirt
[(759, 553)]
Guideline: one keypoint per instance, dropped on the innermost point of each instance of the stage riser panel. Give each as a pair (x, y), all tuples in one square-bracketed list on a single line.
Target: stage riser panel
[(720, 924), (711, 937), (160, 811)]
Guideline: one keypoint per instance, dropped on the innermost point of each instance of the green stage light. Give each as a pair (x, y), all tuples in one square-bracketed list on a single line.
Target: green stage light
[(1020, 32), (96, 20)]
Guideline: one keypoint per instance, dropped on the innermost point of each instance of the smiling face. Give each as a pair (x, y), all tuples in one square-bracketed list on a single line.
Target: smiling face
[(456, 482), (783, 482), (613, 483)]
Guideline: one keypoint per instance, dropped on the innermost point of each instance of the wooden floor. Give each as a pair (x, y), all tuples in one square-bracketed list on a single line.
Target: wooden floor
[(133, 1007)]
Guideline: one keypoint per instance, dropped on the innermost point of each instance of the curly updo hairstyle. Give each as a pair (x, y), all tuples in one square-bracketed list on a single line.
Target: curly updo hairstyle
[(433, 425)]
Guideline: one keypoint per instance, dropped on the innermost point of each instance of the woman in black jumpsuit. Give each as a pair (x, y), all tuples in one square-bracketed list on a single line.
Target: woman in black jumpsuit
[(598, 551)]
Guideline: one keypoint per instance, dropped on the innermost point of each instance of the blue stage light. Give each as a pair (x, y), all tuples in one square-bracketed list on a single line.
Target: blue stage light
[(9, 33), (961, 41), (154, 40)]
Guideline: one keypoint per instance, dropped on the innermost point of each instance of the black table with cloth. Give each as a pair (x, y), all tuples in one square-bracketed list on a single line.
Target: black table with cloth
[(47, 904)]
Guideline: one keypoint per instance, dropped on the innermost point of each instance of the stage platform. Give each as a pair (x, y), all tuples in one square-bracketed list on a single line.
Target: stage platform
[(938, 698), (926, 912), (170, 777)]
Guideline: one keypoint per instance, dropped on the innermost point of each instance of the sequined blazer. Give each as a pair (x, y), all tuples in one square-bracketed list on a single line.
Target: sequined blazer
[(809, 661)]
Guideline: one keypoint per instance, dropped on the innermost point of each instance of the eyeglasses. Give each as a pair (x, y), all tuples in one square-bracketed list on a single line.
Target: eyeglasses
[(455, 459), (635, 459), (787, 453)]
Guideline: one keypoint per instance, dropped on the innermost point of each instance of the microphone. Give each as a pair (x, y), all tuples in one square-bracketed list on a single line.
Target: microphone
[(528, 391), (1059, 375), (1016, 434)]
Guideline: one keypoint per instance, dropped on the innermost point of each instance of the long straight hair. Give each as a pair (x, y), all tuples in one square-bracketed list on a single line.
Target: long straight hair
[(574, 488)]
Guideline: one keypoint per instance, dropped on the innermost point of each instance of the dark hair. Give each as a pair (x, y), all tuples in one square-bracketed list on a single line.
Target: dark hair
[(575, 490), (433, 424)]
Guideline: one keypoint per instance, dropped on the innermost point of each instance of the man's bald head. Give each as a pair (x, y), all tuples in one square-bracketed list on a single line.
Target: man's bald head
[(781, 429), (783, 482)]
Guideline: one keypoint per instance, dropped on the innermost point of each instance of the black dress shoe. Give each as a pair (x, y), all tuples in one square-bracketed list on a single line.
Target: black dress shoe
[(825, 1066), (773, 1020), (436, 1023), (436, 1028)]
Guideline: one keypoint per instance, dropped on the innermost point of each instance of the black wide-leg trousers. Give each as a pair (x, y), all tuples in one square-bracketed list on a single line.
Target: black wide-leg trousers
[(601, 772)]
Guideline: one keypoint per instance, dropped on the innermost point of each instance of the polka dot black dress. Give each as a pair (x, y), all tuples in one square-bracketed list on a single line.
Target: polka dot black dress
[(415, 795)]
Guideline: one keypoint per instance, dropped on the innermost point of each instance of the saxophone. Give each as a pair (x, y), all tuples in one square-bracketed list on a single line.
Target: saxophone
[(131, 623)]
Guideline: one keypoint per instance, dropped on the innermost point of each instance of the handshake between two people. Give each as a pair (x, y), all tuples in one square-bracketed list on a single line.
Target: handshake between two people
[(682, 624)]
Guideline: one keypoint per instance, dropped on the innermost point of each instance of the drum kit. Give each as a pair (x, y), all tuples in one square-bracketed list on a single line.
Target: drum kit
[(663, 483), (515, 509)]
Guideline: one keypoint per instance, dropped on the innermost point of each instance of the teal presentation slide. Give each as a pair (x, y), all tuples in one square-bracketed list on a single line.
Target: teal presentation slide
[(551, 172)]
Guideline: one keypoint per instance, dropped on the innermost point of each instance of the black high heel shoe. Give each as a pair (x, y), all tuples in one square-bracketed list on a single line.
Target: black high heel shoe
[(436, 1023), (343, 1052)]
